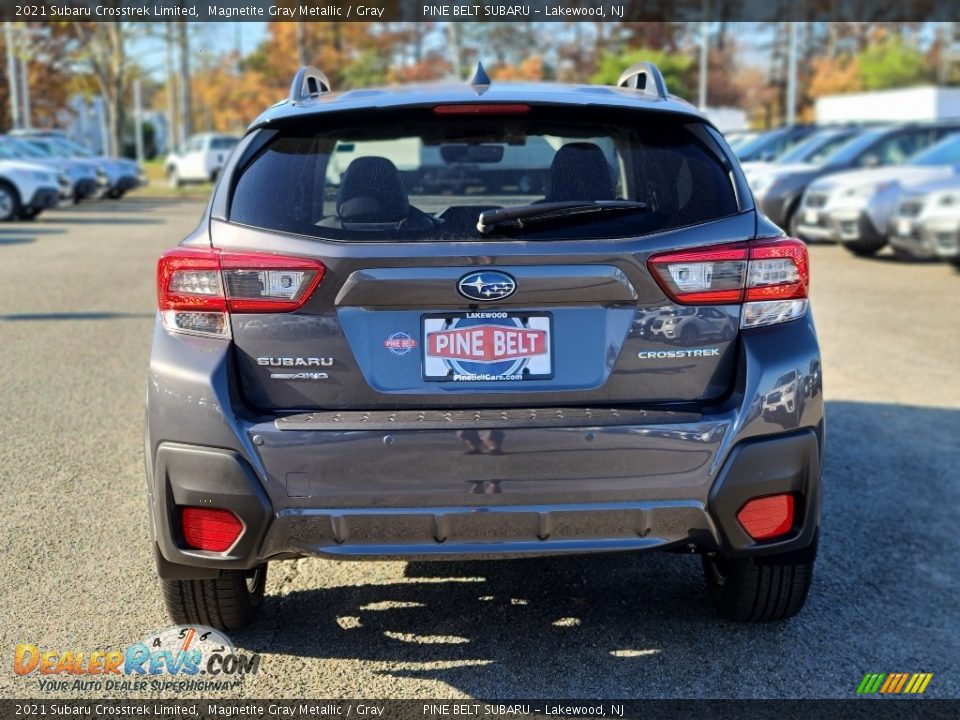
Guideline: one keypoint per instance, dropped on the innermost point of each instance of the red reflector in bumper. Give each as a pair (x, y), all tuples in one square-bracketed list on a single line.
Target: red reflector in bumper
[(210, 529), (767, 517)]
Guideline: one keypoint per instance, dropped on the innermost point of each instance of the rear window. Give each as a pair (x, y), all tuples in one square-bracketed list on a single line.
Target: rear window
[(421, 176)]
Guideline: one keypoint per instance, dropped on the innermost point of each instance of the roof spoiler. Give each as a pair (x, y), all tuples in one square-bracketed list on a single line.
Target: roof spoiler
[(308, 83), (646, 77)]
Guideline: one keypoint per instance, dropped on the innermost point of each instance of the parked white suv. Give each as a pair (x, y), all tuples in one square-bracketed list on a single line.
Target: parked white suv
[(26, 189), (201, 160)]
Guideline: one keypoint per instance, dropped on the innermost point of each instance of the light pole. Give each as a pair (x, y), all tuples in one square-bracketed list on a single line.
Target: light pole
[(453, 44), (12, 81), (25, 90), (138, 119), (792, 76), (704, 61)]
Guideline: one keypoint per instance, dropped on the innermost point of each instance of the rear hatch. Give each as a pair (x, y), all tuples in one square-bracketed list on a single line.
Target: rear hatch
[(596, 292)]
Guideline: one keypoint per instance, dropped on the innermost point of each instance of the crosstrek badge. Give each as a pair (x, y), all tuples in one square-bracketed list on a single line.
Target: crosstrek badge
[(487, 343)]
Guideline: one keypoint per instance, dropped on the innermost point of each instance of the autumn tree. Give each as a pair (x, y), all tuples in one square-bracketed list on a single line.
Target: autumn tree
[(663, 36), (46, 50), (893, 64), (226, 100), (678, 69), (529, 69), (101, 49), (830, 76)]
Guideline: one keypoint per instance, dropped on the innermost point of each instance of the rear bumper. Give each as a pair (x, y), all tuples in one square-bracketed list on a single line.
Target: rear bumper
[(490, 483), (788, 463)]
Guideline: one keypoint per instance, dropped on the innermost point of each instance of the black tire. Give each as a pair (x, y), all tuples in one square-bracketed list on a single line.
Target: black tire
[(861, 248), (761, 589), (955, 261), (9, 201), (228, 602), (28, 214), (173, 177), (793, 222)]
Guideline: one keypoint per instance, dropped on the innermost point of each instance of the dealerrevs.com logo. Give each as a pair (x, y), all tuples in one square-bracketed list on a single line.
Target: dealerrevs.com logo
[(179, 658)]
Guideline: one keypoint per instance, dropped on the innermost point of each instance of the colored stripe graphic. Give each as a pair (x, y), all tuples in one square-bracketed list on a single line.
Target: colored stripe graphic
[(894, 683), (871, 683), (903, 680), (918, 683)]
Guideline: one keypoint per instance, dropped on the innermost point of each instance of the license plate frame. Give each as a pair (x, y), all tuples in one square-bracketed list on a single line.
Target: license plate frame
[(539, 364)]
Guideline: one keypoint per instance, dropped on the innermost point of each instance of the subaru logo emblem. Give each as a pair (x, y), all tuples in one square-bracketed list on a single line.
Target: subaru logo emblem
[(487, 286)]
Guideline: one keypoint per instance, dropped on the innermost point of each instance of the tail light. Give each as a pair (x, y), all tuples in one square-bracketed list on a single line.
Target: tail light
[(769, 277), (482, 109), (198, 288), (210, 528), (767, 517)]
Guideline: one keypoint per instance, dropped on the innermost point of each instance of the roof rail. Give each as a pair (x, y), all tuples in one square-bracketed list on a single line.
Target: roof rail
[(308, 83), (644, 76)]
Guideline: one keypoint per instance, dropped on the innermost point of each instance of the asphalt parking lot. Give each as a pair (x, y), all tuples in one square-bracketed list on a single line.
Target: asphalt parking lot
[(76, 314)]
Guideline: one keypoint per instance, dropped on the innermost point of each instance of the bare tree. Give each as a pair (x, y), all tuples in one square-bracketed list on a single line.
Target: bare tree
[(102, 47)]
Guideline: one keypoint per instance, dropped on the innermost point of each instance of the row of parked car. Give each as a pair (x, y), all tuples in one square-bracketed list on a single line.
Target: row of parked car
[(39, 169), (862, 186)]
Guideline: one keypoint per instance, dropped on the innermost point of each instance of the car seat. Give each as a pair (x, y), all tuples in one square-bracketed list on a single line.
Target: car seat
[(579, 171)]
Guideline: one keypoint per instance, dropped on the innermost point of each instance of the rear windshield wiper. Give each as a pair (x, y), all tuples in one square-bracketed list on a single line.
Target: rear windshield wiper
[(523, 215)]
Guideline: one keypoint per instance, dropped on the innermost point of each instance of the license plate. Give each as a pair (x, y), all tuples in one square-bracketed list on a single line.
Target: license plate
[(487, 347), (811, 217), (904, 228)]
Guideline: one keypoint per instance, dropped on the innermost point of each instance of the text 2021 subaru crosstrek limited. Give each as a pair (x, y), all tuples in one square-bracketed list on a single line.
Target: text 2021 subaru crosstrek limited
[(415, 323)]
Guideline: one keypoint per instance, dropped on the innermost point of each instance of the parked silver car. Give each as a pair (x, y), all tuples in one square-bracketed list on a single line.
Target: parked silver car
[(926, 223), (855, 207), (115, 176), (77, 179)]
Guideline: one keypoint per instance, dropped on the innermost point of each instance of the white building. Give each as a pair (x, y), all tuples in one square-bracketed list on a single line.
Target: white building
[(728, 119), (924, 102)]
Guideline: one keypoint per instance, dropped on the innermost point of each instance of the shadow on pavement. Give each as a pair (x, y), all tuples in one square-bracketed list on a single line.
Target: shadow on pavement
[(134, 204), (103, 220), (30, 317), (16, 240), (30, 229), (641, 625)]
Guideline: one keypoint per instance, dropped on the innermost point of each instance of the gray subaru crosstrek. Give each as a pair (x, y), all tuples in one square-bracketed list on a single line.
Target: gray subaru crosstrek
[(417, 323)]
